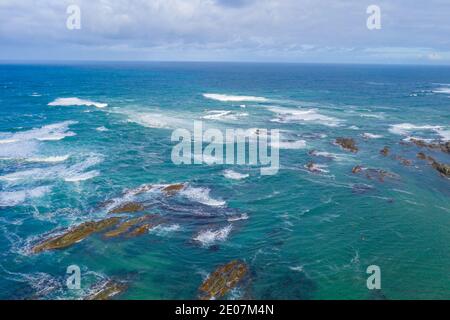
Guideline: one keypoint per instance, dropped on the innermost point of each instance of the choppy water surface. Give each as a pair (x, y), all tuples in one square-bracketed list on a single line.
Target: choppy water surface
[(78, 139)]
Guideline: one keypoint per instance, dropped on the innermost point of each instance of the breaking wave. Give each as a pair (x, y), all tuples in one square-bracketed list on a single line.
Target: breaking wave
[(231, 98), (67, 102), (201, 195)]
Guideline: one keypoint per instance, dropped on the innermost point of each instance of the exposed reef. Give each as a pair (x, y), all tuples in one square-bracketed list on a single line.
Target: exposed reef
[(74, 235), (222, 280)]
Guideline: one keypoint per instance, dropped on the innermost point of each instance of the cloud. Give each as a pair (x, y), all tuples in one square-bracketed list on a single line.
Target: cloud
[(273, 30)]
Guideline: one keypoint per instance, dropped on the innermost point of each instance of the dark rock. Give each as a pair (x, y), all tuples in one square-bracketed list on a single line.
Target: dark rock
[(173, 189), (385, 151), (357, 169), (347, 144)]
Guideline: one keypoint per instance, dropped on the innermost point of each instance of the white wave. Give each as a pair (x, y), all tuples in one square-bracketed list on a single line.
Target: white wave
[(234, 218), (231, 98), (102, 129), (209, 237), (6, 141), (405, 129), (372, 115), (67, 102), (49, 132), (367, 135), (286, 115), (201, 195), (230, 174), (300, 144), (35, 94), (444, 90), (353, 128), (297, 268), (224, 115), (329, 155), (14, 198), (54, 159)]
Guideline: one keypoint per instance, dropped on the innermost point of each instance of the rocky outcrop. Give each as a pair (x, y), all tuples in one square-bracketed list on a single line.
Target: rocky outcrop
[(385, 151), (442, 146), (347, 144), (129, 207), (74, 235), (357, 169), (370, 174), (107, 290), (128, 227), (222, 280), (442, 168), (173, 189), (139, 231)]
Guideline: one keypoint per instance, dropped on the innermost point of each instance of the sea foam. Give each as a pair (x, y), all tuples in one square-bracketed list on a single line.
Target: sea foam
[(233, 175), (224, 115), (209, 237), (14, 198), (286, 115)]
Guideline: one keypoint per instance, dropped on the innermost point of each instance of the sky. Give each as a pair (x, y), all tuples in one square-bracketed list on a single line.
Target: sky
[(317, 31)]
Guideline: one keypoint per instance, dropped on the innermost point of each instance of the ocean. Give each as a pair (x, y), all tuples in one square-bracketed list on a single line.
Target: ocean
[(79, 139)]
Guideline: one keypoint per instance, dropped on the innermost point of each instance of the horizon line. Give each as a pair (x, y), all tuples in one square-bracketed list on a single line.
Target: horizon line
[(58, 61)]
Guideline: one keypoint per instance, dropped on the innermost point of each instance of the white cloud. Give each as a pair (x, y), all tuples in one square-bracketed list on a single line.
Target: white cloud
[(220, 29)]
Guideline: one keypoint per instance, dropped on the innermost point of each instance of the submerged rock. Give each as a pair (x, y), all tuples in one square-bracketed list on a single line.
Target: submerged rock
[(404, 161), (222, 280), (74, 235), (385, 151), (347, 144), (361, 188), (129, 207), (107, 290)]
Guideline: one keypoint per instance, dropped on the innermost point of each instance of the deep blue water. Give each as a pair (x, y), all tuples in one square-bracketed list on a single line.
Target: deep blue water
[(308, 235)]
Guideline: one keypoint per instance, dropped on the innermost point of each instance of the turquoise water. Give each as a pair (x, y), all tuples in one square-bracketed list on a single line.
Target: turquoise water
[(304, 235)]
